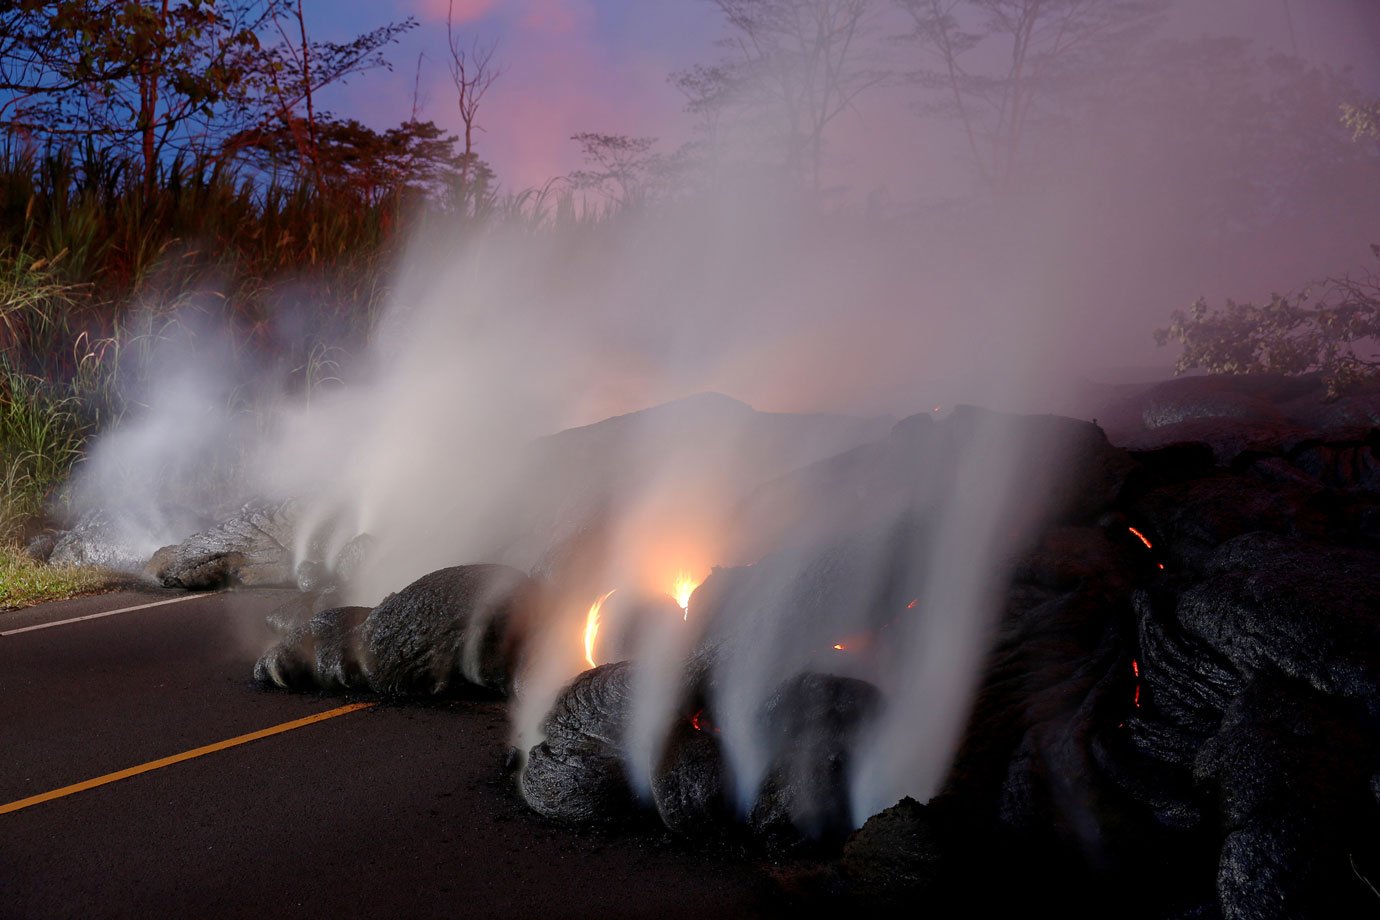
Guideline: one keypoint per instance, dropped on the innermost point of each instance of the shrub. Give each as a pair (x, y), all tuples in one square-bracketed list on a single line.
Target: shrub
[(1331, 328)]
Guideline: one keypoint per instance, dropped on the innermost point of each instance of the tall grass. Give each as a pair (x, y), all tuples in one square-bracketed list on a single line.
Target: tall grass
[(41, 436), (96, 271)]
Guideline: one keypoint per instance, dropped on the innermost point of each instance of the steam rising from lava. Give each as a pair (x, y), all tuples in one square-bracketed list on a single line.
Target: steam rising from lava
[(443, 444), (441, 448)]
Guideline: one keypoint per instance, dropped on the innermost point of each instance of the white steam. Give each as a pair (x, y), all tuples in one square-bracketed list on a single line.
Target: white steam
[(443, 444)]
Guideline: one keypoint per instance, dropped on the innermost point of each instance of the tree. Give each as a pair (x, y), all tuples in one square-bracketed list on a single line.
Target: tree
[(1232, 145), (1290, 334), (625, 170), (283, 78), (1362, 118), (473, 71), (794, 65), (1328, 332), (165, 79), (415, 159), (135, 73), (999, 66)]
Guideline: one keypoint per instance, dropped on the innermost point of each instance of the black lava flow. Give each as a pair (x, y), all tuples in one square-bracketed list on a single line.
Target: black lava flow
[(1179, 715)]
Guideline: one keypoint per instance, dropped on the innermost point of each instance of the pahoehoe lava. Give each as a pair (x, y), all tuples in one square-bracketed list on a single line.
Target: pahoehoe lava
[(1181, 696)]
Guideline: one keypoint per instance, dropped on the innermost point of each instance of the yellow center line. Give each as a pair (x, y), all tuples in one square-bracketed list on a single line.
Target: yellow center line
[(179, 758)]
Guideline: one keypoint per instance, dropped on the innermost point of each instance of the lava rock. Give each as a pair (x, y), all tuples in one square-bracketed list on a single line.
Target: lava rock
[(1163, 409), (896, 855), (1193, 518), (352, 557), (1291, 769), (40, 548), (689, 785), (336, 635), (1229, 440), (1070, 470), (1305, 609), (461, 624), (322, 652), (809, 725), (1343, 464), (96, 539), (250, 548), (1249, 397), (300, 608), (576, 774), (1360, 407), (311, 576), (291, 662)]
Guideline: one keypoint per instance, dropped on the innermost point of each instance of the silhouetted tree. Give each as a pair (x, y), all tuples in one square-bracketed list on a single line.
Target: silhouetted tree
[(137, 74), (998, 66), (1240, 141), (793, 65), (164, 78), (473, 70), (624, 170), (416, 159), (283, 77)]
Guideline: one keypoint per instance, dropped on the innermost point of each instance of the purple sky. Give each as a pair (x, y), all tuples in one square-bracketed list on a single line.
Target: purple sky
[(601, 65), (569, 65)]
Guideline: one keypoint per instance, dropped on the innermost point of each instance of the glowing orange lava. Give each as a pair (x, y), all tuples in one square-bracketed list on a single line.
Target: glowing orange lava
[(1135, 667), (1141, 537), (841, 647), (701, 724), (681, 589), (592, 628), (913, 604)]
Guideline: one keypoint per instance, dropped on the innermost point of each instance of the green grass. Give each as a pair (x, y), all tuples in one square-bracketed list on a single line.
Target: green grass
[(41, 436), (24, 582)]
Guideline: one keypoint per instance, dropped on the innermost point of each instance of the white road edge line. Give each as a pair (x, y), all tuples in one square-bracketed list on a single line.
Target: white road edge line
[(108, 613)]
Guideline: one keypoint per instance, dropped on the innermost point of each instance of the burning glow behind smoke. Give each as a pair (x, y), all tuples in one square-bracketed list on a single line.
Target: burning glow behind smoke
[(684, 586), (592, 628)]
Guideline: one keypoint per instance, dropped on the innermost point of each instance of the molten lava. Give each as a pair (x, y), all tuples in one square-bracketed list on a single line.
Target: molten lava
[(592, 628), (700, 722), (1141, 537), (681, 589), (862, 642)]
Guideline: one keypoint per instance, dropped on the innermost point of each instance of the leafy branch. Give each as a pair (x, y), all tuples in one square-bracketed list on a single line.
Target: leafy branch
[(1333, 331)]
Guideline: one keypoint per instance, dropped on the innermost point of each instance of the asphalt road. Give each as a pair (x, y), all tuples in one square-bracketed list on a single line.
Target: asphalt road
[(386, 812)]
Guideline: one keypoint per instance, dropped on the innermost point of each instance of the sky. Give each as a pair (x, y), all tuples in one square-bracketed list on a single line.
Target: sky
[(568, 66), (602, 65)]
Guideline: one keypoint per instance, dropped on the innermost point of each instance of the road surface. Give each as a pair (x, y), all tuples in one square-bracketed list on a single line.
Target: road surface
[(387, 811)]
